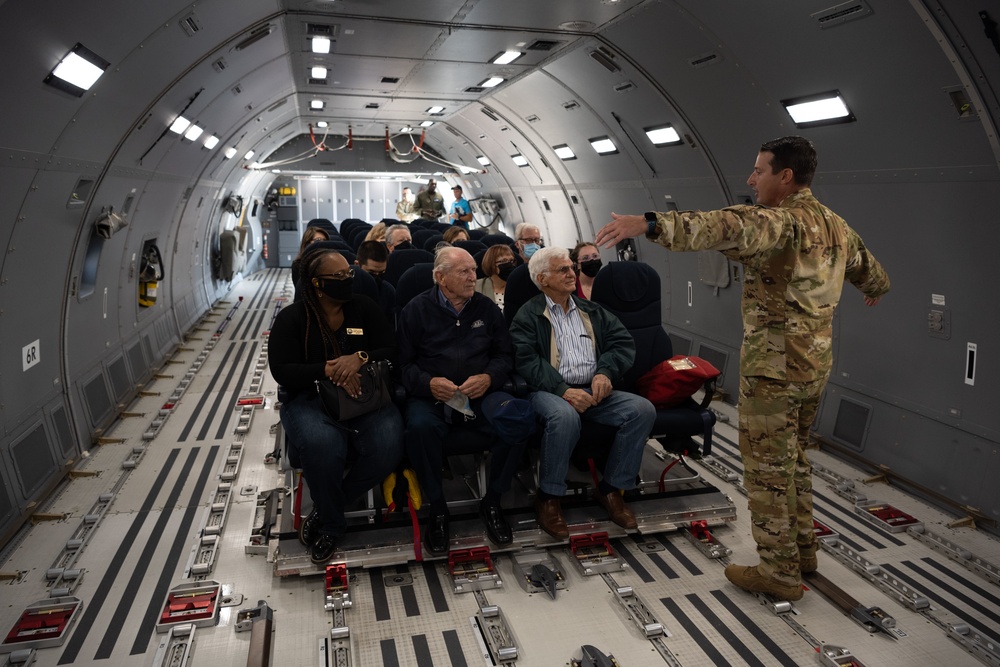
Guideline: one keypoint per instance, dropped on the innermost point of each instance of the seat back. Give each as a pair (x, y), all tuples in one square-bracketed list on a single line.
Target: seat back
[(520, 289), (494, 239), (401, 260), (472, 247), (420, 236), (431, 241), (631, 290), (478, 234), (324, 224), (415, 280)]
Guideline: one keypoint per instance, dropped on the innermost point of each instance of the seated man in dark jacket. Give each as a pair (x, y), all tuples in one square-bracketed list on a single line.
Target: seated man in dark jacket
[(570, 351), (454, 349)]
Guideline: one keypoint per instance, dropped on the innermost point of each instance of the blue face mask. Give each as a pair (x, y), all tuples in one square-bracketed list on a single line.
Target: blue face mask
[(530, 249)]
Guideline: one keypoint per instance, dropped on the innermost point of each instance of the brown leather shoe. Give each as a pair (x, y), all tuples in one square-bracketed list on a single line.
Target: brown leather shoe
[(550, 518), (616, 508)]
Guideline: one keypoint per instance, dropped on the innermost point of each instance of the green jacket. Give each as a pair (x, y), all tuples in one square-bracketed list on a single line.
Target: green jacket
[(796, 257), (536, 357)]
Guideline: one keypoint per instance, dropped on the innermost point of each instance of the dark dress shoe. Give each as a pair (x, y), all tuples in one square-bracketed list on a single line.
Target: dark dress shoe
[(309, 528), (322, 549), (436, 535), (616, 508), (550, 518), (497, 528)]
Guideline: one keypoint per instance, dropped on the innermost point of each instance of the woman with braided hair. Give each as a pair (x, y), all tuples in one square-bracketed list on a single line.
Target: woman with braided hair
[(331, 333)]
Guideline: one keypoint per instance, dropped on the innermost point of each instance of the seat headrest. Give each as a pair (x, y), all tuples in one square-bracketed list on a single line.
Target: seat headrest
[(631, 290)]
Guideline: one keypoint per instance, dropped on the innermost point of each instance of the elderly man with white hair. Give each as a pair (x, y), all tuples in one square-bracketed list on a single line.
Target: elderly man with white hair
[(455, 353), (571, 351)]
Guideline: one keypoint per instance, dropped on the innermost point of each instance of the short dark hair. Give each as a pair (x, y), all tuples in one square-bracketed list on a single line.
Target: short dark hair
[(372, 251), (795, 153)]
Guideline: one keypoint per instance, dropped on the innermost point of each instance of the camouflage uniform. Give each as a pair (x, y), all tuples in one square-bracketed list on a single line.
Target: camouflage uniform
[(796, 257)]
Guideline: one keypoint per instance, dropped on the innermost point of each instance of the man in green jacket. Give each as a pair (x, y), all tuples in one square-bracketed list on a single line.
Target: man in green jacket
[(796, 255), (570, 351)]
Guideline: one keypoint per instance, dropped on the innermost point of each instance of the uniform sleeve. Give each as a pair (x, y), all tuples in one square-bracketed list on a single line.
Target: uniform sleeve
[(287, 356), (741, 230), (618, 348), (862, 269)]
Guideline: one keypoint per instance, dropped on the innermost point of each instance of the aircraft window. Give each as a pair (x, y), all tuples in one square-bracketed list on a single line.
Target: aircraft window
[(545, 203), (81, 192), (127, 206), (574, 199), (88, 280)]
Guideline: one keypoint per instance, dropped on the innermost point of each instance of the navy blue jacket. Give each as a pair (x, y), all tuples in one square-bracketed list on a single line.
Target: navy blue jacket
[(435, 343)]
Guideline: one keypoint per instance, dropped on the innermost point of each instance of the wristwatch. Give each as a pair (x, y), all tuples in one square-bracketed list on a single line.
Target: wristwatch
[(651, 221), (363, 356)]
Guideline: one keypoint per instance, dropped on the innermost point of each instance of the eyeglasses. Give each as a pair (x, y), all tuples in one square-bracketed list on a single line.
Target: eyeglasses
[(566, 269), (536, 239), (339, 275)]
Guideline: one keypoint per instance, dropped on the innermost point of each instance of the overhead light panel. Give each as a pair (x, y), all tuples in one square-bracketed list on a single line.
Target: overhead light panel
[(483, 160), (77, 71), (492, 82), (248, 155), (322, 123), (229, 153), (663, 135), (406, 129), (507, 57), (427, 123), (317, 105), (519, 160), (434, 110), (822, 109), (180, 124), (321, 45), (604, 146), (318, 73), (564, 152), (211, 142), (193, 132)]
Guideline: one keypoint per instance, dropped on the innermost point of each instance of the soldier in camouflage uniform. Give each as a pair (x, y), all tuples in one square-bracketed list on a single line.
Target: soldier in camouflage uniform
[(796, 254)]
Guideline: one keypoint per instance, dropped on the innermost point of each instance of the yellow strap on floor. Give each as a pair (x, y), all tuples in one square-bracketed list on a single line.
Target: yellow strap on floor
[(415, 496)]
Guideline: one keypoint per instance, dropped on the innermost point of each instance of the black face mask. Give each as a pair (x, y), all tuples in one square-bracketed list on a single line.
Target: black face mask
[(590, 267), (338, 290), (504, 270), (405, 245)]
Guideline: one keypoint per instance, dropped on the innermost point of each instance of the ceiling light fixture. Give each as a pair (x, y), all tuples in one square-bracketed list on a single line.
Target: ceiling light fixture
[(77, 71), (483, 160), (321, 45), (322, 123), (427, 123), (821, 109), (229, 153), (564, 152), (406, 129), (507, 57), (248, 155), (663, 135), (318, 73), (317, 105), (434, 110), (180, 124), (193, 132), (492, 82), (519, 160), (603, 146), (211, 142)]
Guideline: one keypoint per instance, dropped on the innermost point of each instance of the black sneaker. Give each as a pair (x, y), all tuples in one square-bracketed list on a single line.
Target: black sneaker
[(309, 528), (497, 528), (436, 535), (322, 549)]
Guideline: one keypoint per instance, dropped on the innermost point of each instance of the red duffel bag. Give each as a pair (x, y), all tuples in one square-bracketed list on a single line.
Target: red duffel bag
[(673, 381)]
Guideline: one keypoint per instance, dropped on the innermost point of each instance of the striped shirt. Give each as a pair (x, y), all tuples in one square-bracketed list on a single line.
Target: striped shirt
[(577, 356)]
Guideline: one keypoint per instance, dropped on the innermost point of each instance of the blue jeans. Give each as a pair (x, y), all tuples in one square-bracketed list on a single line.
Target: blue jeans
[(634, 416), (426, 429), (324, 451)]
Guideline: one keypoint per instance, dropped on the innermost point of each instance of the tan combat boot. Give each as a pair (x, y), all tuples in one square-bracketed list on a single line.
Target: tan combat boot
[(749, 579)]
